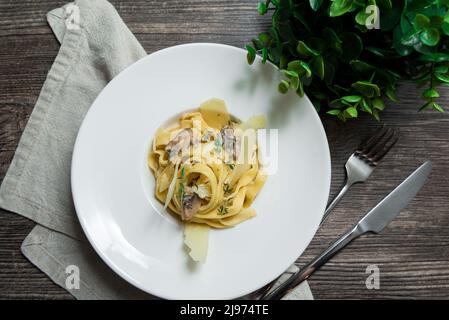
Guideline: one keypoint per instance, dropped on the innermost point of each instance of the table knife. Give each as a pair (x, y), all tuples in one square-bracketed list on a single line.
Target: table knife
[(374, 222)]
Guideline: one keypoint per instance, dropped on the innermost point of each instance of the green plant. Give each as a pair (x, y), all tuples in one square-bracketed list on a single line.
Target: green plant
[(329, 49)]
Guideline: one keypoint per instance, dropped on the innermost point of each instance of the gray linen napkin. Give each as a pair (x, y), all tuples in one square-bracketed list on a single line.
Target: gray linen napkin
[(96, 45)]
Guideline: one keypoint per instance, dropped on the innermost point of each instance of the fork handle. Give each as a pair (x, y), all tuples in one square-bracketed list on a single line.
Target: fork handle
[(337, 199)]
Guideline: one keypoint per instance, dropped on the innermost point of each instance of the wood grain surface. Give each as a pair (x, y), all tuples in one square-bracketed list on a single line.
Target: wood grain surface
[(412, 253)]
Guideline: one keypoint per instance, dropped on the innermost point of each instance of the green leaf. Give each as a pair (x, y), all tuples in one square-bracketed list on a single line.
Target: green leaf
[(297, 14), (366, 88), (361, 66), (305, 50), (334, 112), (352, 112), (410, 38), (389, 19), (391, 94), (262, 8), (376, 114), (290, 73), (283, 86), (294, 83), (383, 53), (315, 4), (339, 7), (300, 67), (435, 57), (300, 91), (401, 49), (306, 68), (251, 55), (294, 65), (437, 107), (366, 106), (442, 77), (378, 104), (441, 69), (431, 93), (264, 55), (430, 37), (264, 38), (317, 66), (352, 99), (421, 22), (362, 17), (333, 40)]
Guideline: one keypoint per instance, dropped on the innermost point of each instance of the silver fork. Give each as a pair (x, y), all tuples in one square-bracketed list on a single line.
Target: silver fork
[(359, 167), (363, 161)]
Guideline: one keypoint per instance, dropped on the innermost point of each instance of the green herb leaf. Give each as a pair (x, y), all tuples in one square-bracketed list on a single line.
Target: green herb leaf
[(421, 22), (366, 106), (317, 66), (262, 8), (305, 50), (284, 86), (361, 66), (437, 107), (431, 93), (315, 4), (378, 104), (442, 77), (352, 112), (367, 88), (334, 112), (251, 55), (339, 7), (352, 99), (264, 55), (430, 37)]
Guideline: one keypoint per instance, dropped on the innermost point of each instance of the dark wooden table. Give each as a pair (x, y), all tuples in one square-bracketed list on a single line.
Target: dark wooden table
[(412, 253)]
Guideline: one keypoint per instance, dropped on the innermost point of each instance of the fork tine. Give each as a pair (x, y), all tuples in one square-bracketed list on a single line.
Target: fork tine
[(380, 144), (366, 146), (382, 154)]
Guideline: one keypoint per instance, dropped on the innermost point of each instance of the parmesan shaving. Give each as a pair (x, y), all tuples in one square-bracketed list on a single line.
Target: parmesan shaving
[(215, 114), (196, 238)]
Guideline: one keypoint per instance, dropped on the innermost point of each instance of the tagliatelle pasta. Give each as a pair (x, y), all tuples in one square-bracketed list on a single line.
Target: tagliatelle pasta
[(207, 171)]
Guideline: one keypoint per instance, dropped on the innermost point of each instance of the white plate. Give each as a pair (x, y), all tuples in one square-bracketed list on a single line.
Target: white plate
[(113, 189)]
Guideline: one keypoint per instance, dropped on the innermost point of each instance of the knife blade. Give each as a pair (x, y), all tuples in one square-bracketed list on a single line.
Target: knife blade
[(374, 221), (389, 208)]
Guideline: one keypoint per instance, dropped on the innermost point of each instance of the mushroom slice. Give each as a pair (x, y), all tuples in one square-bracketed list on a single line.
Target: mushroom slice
[(180, 142), (191, 203)]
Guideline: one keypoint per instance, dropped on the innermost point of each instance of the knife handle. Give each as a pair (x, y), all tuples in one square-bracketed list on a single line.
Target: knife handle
[(314, 265)]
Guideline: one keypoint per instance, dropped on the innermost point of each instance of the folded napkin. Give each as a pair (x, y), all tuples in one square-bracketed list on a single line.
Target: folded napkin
[(96, 45)]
